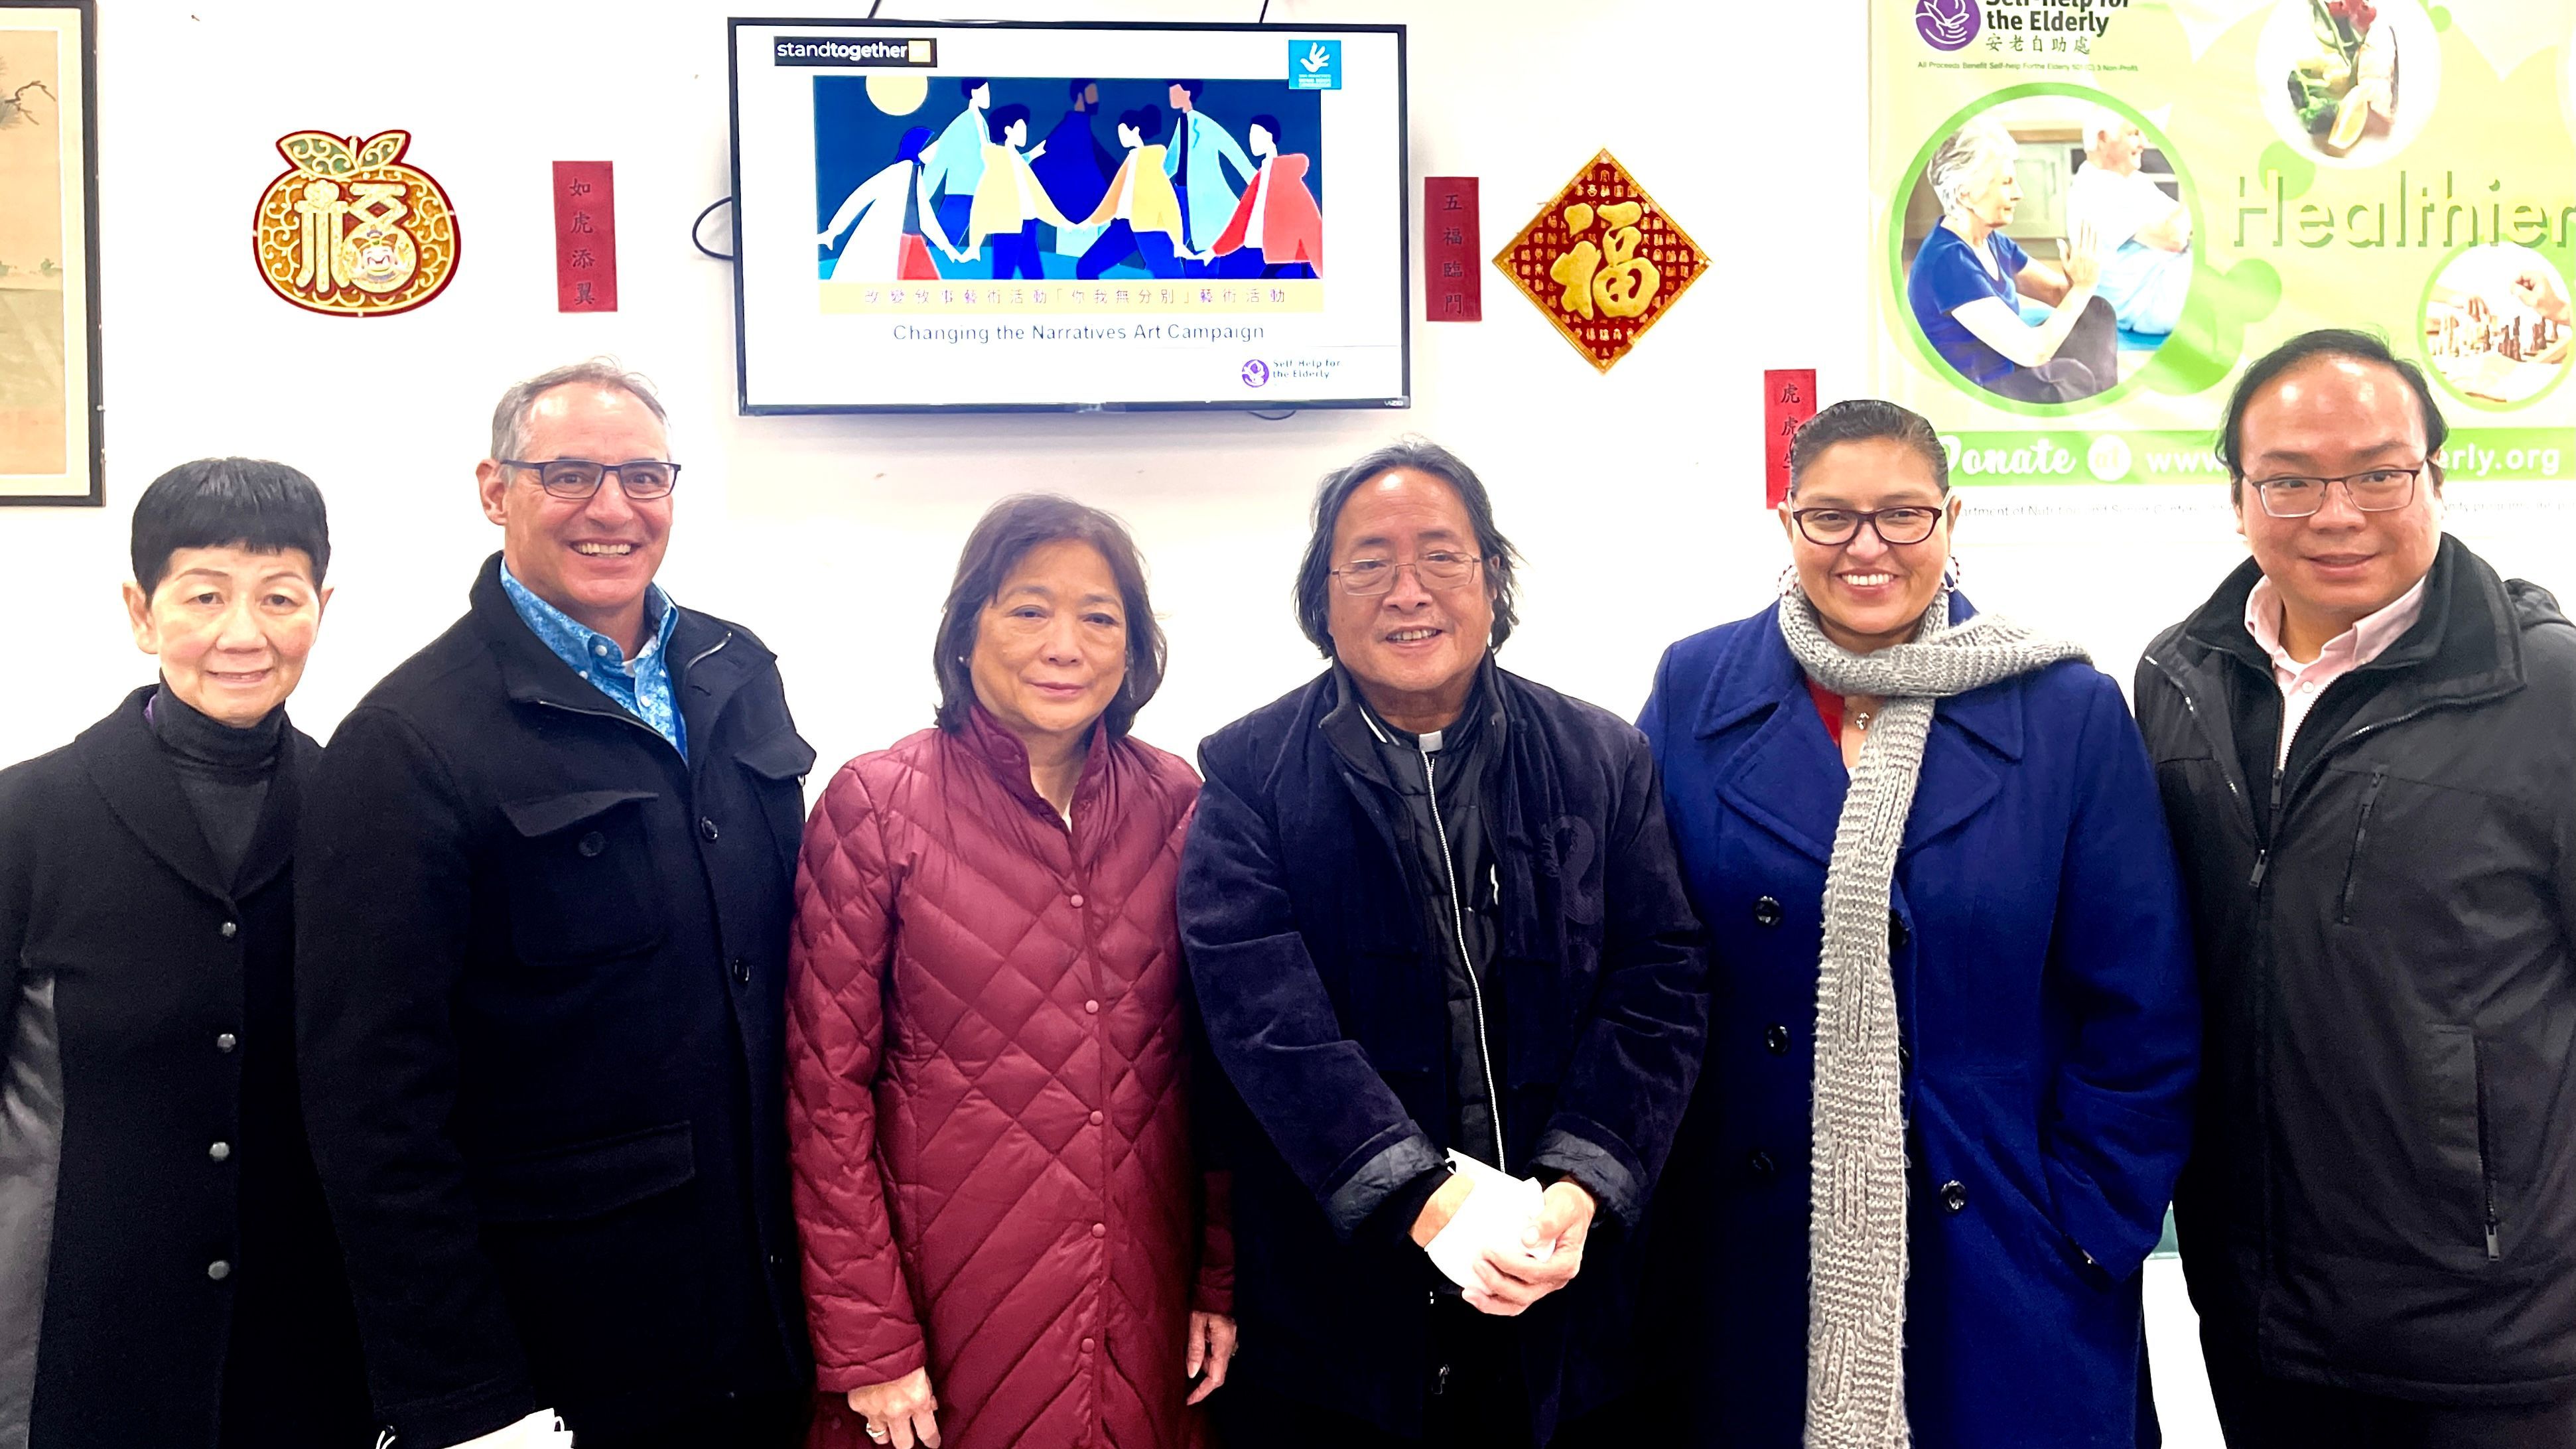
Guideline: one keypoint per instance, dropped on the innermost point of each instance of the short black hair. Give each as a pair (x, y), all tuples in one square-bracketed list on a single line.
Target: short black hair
[(1266, 122), (1192, 86), (1860, 419), (246, 503), (2343, 342), (1078, 87), (1148, 121), (1314, 572), (1003, 118), (969, 85), (1002, 537)]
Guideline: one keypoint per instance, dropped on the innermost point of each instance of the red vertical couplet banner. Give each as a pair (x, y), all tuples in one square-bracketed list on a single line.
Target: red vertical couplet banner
[(1453, 277), (585, 236), (1788, 401)]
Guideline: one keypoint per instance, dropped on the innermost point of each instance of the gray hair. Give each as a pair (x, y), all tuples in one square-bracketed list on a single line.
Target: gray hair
[(510, 417), (1962, 158), (2101, 121), (1418, 455)]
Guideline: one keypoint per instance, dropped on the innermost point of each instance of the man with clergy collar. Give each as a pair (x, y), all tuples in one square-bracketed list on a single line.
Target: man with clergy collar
[(1445, 961), (167, 1270), (546, 889)]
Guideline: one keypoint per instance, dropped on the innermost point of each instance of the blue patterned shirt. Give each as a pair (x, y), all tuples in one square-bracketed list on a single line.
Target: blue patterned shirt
[(642, 687)]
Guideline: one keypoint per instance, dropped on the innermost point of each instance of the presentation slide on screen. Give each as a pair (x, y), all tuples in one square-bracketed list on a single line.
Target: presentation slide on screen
[(1068, 216), (2096, 212)]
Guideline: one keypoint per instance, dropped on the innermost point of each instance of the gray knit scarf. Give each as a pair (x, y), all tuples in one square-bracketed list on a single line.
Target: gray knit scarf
[(1856, 1237)]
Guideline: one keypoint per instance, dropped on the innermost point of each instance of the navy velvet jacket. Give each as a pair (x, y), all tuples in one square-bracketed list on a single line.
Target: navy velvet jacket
[(1324, 1006)]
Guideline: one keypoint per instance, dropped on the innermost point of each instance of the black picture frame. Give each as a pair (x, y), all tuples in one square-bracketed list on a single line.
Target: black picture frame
[(82, 481), (1403, 218)]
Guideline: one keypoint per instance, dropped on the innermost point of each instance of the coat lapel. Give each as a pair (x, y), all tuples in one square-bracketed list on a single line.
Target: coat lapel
[(1959, 779), (126, 765), (1788, 778)]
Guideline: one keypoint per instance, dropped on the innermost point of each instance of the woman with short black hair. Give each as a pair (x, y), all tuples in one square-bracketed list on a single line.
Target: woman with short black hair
[(1007, 1240), (167, 1272)]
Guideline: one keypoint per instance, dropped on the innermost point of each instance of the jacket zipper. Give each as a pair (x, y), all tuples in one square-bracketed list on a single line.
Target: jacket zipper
[(2262, 859), (1466, 961), (2361, 838), (2486, 1151), (2271, 831)]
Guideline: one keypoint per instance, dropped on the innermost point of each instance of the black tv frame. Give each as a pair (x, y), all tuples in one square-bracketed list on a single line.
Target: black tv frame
[(1403, 219)]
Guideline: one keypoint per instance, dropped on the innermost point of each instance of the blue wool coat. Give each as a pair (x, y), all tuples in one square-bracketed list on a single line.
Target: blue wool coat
[(2045, 990)]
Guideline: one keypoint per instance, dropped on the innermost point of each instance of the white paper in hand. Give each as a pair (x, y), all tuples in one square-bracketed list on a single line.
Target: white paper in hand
[(1496, 1217), (540, 1430)]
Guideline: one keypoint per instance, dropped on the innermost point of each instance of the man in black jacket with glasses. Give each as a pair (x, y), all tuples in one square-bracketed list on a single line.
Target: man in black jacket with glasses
[(2366, 741)]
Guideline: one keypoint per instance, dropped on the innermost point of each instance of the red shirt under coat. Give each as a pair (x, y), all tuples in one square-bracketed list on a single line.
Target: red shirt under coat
[(987, 1106)]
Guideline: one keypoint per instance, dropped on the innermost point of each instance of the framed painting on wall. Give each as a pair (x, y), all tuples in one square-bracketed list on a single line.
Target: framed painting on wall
[(49, 374)]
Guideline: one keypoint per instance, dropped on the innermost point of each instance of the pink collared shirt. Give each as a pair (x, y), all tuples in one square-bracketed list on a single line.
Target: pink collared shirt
[(2301, 684)]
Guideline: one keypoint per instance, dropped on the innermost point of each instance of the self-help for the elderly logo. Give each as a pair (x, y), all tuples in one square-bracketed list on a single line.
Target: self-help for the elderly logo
[(1946, 24)]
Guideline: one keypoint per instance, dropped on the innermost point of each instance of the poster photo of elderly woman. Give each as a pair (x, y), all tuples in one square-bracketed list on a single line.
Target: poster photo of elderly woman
[(2044, 248)]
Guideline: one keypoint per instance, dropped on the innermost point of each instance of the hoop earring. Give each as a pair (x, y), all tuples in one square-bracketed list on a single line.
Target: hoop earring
[(1951, 573), (1788, 585)]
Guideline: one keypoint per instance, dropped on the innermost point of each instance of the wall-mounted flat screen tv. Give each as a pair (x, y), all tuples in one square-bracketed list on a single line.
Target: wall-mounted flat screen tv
[(1068, 216)]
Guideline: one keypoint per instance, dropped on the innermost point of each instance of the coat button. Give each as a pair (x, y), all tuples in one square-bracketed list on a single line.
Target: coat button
[(708, 829), (1766, 912), (742, 970), (219, 1270), (592, 844), (231, 929), (1777, 1039), (1897, 935), (1075, 900), (1954, 1195), (220, 1152), (1761, 1166), (1098, 1117), (1092, 1007), (1100, 1230), (225, 1041), (1086, 1345)]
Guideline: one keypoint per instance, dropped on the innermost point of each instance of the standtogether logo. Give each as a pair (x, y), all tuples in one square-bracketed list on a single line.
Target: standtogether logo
[(1946, 24)]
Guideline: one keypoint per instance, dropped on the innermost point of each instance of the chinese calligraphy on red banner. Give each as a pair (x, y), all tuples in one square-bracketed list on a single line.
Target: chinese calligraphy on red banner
[(585, 236)]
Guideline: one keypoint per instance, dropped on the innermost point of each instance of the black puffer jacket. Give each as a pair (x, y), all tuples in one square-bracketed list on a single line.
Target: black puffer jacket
[(2382, 1194)]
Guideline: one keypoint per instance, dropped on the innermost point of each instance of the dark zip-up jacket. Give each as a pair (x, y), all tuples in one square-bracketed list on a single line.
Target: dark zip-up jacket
[(1325, 1006), (1438, 792), (541, 1000), (2382, 1191)]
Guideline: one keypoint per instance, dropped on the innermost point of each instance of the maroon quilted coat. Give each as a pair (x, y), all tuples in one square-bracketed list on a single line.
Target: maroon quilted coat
[(986, 1103)]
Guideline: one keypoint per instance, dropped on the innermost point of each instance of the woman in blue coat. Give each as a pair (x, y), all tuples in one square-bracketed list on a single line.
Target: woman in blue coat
[(1953, 1025)]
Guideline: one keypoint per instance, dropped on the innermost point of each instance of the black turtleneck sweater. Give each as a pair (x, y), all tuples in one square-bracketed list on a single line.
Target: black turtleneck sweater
[(223, 771)]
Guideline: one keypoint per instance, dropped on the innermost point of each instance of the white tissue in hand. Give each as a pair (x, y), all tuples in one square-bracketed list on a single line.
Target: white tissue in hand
[(1497, 1217), (540, 1430)]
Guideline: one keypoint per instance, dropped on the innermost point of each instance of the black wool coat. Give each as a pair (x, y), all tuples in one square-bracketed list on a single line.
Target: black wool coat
[(542, 998), (168, 1275), (1324, 1003), (2381, 1193)]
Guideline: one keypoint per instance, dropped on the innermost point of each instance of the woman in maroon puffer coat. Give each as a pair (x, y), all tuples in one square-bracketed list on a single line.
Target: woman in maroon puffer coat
[(1007, 1239)]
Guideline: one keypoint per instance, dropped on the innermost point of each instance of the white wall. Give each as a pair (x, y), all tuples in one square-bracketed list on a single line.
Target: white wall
[(1636, 497)]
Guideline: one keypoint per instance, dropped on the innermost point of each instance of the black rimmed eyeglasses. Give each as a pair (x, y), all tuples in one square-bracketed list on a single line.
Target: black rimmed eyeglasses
[(2373, 490), (1831, 527), (645, 478)]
